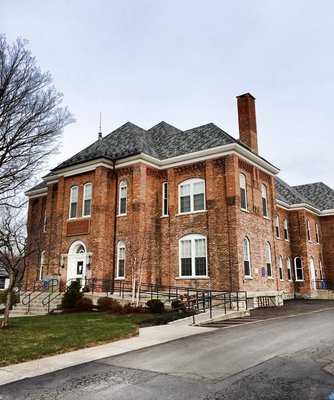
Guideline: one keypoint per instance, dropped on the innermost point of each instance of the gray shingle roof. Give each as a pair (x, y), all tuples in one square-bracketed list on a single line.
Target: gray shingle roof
[(162, 141), (319, 194), (288, 194), (41, 185)]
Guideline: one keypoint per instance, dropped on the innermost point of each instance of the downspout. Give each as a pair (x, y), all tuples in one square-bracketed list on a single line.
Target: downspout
[(115, 227)]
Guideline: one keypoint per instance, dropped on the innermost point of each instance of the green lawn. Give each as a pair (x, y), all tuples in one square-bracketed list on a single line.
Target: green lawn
[(36, 337)]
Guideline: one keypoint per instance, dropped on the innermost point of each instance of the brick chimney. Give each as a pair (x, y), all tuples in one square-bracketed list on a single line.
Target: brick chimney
[(247, 120)]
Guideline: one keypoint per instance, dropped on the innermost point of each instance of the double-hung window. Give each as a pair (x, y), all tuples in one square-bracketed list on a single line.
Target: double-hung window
[(268, 261), (87, 202), (243, 192), (288, 268), (286, 230), (280, 267), (299, 271), (264, 201), (193, 256), (246, 251), (121, 260), (317, 237), (278, 235), (308, 227), (192, 196), (122, 198), (164, 199), (74, 201)]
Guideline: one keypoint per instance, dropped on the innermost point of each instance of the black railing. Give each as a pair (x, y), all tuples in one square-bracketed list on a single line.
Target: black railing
[(39, 288), (194, 299)]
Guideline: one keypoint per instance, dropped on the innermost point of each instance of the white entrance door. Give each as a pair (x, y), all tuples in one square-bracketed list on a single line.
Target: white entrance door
[(312, 274), (76, 263)]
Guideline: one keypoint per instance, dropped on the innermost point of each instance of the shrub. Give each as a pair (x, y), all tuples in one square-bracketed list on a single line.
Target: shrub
[(109, 304), (84, 304), (131, 309), (178, 305), (14, 299), (72, 295), (156, 305)]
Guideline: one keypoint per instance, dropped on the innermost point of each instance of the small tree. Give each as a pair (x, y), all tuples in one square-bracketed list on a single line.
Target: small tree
[(31, 119), (13, 251)]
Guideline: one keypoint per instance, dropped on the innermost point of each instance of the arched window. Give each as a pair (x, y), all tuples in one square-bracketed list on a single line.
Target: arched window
[(122, 198), (321, 271), (278, 235), (280, 267), (308, 227), (317, 236), (165, 199), (299, 271), (286, 230), (80, 249), (74, 201), (243, 192), (192, 196), (121, 260), (264, 201), (246, 251), (288, 268), (193, 256), (268, 261), (87, 200), (41, 266)]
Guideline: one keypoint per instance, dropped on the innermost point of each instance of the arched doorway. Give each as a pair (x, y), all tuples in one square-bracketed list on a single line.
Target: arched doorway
[(76, 262)]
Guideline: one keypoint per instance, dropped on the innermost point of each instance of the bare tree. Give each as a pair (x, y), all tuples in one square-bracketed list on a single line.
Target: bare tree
[(31, 119), (14, 251)]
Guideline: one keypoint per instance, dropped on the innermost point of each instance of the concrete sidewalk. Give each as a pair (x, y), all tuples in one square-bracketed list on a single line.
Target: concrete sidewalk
[(149, 336)]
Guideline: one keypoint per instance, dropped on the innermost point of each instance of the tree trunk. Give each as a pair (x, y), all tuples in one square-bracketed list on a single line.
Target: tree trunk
[(5, 322)]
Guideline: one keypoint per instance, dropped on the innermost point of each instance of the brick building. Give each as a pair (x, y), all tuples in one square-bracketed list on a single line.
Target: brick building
[(187, 208)]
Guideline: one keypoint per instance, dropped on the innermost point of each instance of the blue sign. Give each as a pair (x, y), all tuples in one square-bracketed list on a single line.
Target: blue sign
[(263, 272)]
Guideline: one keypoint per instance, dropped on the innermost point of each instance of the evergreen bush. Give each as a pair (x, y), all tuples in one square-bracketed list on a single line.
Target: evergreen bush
[(72, 295)]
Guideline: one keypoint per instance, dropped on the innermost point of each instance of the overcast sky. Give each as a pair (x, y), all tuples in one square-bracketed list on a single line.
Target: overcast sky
[(185, 62)]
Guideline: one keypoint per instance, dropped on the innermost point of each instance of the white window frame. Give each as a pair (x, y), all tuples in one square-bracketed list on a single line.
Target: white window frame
[(165, 199), (192, 238), (264, 195), (246, 256), (72, 202), (191, 183), (44, 222), (269, 261), (280, 268), (243, 191), (277, 229), (120, 246), (121, 196), (321, 271), (85, 198), (308, 228), (301, 268), (317, 236), (286, 229), (41, 266), (288, 268)]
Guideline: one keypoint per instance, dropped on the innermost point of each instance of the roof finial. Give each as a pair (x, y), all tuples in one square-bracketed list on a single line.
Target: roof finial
[(100, 131)]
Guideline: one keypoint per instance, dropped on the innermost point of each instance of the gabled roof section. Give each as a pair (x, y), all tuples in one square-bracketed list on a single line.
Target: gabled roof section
[(38, 188), (319, 194), (288, 194)]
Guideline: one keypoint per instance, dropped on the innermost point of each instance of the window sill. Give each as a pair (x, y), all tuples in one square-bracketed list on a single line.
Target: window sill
[(191, 213), (121, 215), (85, 216), (164, 216), (248, 277), (244, 210), (177, 278), (270, 278), (120, 279), (278, 238), (287, 240), (299, 280), (266, 217)]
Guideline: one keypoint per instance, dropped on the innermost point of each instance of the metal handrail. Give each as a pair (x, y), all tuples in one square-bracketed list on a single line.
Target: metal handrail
[(54, 283), (198, 299)]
